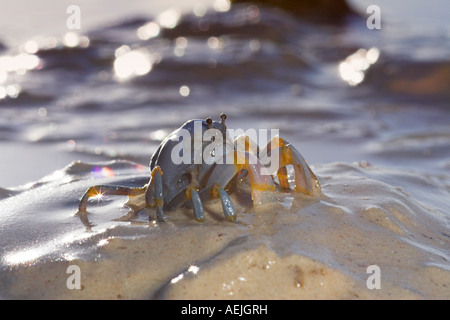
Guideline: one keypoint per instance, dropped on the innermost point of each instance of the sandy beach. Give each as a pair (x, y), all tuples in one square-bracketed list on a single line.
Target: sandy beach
[(293, 248)]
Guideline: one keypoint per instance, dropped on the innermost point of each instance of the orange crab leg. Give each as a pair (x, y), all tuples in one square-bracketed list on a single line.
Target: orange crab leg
[(107, 190), (283, 178), (305, 180), (261, 182), (154, 193)]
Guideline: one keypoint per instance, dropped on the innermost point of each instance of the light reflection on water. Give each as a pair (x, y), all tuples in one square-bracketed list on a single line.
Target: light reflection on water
[(353, 68), (72, 40), (18, 65), (169, 19), (149, 30), (248, 62), (130, 63), (32, 254)]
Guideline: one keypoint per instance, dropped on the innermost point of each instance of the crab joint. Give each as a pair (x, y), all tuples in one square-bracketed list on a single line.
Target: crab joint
[(158, 170), (214, 192), (188, 192)]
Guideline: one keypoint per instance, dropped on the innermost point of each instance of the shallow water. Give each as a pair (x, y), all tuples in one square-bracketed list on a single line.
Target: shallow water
[(368, 109)]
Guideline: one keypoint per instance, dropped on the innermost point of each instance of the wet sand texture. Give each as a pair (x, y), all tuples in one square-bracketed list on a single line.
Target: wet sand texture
[(294, 248)]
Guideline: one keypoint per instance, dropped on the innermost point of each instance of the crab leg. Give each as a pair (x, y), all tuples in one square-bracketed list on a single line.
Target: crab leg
[(154, 193), (305, 180), (193, 195), (227, 204), (199, 213), (217, 192), (107, 190), (260, 179), (282, 178)]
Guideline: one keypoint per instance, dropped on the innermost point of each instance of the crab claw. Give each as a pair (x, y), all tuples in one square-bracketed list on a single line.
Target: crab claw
[(305, 180)]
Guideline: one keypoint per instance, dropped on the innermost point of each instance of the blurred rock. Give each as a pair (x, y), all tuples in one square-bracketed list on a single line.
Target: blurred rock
[(321, 11)]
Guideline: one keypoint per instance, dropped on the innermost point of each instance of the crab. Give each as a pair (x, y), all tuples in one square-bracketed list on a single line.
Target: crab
[(174, 183)]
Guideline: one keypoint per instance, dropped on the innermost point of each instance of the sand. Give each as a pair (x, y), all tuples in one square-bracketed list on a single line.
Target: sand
[(294, 248)]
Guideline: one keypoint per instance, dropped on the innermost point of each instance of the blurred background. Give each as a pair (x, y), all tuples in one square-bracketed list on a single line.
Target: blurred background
[(136, 70)]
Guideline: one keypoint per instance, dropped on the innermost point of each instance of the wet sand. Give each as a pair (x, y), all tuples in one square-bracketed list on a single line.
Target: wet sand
[(294, 248)]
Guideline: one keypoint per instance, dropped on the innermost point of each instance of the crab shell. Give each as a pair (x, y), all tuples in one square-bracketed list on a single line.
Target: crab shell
[(199, 169)]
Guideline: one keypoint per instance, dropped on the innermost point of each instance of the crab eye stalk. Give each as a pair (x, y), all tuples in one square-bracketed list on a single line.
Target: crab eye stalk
[(209, 122), (223, 117)]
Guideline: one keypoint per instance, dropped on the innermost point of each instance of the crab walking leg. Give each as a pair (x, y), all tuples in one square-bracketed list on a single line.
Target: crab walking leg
[(227, 204), (246, 157), (261, 182), (246, 144), (107, 190), (199, 212), (159, 200), (283, 178), (305, 180), (154, 193)]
